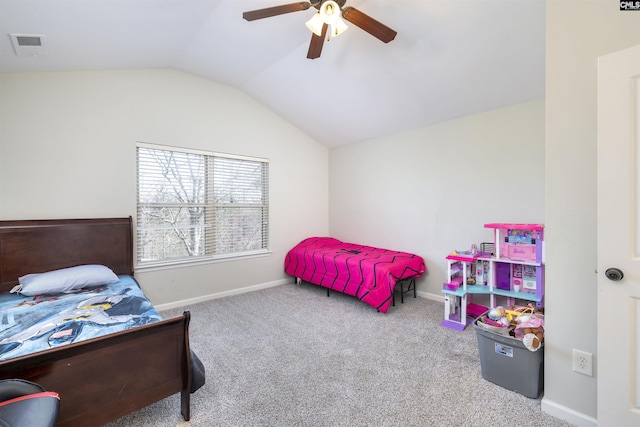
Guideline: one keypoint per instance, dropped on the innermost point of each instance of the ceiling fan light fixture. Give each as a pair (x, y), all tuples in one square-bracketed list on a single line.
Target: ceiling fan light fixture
[(338, 28), (330, 12), (315, 24)]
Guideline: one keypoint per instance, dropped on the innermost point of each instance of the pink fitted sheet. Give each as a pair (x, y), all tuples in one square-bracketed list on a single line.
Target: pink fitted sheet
[(366, 272)]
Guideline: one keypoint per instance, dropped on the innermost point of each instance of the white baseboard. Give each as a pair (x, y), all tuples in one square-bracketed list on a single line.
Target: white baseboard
[(203, 298), (567, 414), (428, 295)]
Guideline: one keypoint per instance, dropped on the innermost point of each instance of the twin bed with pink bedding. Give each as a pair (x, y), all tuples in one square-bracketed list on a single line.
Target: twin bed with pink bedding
[(366, 272)]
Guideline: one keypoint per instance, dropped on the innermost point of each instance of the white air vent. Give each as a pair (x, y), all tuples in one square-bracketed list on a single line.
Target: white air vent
[(29, 44)]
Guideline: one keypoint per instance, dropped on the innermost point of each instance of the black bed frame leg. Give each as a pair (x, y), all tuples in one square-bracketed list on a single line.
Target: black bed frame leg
[(412, 284)]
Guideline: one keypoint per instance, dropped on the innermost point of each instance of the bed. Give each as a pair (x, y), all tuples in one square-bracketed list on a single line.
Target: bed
[(366, 272), (99, 378)]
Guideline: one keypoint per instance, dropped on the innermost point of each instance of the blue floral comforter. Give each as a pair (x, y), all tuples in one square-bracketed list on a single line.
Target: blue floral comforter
[(31, 324)]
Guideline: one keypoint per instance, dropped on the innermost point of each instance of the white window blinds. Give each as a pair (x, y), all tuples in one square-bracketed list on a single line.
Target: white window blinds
[(194, 205)]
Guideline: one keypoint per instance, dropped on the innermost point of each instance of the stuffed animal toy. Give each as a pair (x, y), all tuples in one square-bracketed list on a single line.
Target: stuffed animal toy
[(531, 329), (533, 338)]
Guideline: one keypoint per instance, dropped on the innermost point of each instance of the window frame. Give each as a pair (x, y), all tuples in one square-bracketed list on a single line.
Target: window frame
[(210, 206)]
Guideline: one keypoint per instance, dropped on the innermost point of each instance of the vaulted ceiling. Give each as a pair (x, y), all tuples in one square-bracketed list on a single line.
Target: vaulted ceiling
[(451, 58)]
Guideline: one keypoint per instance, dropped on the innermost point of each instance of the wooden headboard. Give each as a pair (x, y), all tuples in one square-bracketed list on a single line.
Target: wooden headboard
[(36, 246)]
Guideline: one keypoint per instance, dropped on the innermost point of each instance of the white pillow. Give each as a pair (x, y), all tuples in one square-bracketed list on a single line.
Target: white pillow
[(65, 280)]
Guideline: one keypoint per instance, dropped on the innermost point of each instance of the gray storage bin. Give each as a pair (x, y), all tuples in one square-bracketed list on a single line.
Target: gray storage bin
[(507, 362)]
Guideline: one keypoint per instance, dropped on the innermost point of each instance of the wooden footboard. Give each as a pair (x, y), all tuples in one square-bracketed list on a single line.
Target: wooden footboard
[(102, 379)]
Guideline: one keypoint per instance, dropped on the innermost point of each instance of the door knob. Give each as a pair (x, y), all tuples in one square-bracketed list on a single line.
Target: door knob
[(614, 274)]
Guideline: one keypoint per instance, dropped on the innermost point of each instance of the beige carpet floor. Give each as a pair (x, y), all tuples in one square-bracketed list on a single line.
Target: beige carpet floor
[(291, 356)]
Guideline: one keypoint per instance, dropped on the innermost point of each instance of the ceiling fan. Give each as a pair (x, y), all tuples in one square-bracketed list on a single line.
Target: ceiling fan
[(327, 21)]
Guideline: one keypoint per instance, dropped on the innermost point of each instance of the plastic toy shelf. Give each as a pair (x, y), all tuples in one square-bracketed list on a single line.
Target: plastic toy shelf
[(516, 272), (459, 308), (527, 296), (470, 289)]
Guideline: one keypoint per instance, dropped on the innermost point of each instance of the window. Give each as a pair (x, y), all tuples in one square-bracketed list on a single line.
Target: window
[(195, 206)]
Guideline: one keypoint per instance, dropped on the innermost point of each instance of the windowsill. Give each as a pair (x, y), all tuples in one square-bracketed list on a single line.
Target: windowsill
[(192, 263)]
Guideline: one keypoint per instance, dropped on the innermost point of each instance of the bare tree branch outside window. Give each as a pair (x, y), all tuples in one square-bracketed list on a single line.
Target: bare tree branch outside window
[(194, 206)]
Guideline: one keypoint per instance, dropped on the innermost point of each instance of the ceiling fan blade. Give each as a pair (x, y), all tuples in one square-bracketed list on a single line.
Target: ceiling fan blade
[(268, 12), (370, 25), (315, 47)]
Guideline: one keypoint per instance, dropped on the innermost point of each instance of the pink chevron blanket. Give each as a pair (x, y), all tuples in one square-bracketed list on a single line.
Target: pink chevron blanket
[(368, 273)]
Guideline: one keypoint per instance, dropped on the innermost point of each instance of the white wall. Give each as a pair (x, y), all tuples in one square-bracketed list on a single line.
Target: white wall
[(577, 33), (68, 150), (431, 190)]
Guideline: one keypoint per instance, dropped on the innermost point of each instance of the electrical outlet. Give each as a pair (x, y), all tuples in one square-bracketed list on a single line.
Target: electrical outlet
[(583, 362)]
